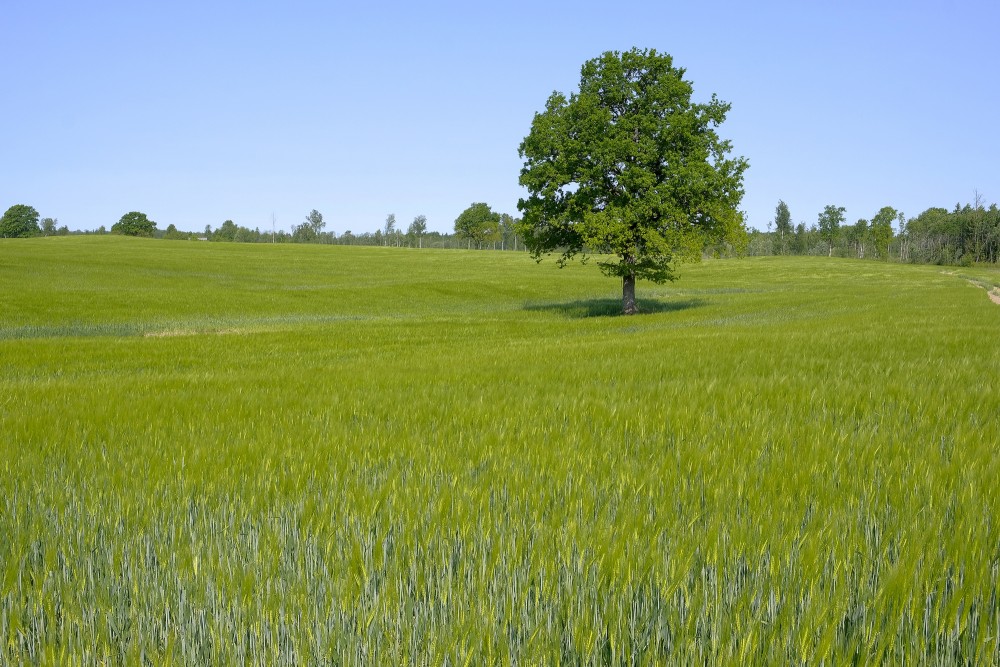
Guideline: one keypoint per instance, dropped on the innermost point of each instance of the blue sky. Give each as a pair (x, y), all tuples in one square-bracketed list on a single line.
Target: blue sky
[(198, 112)]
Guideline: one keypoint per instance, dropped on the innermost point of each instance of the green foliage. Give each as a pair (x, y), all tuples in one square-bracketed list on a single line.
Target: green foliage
[(390, 235), (134, 223), (881, 230), (829, 224), (966, 235), (859, 235), (19, 221), (226, 231), (173, 234), (630, 167), (417, 229), (969, 233), (782, 226), (239, 454), (315, 221), (304, 233), (309, 231), (478, 224)]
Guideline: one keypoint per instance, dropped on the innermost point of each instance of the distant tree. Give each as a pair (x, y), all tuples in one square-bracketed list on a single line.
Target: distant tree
[(417, 229), (782, 225), (49, 226), (631, 168), (881, 230), (303, 233), (102, 230), (477, 224), (389, 231), (19, 221), (508, 230), (798, 244), (857, 235), (225, 232), (904, 238), (315, 221), (134, 223), (172, 233), (829, 224)]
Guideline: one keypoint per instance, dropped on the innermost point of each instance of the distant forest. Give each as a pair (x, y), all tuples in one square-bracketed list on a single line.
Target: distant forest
[(965, 235), (968, 234)]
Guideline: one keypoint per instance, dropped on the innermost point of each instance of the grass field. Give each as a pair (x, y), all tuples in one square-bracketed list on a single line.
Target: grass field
[(297, 455)]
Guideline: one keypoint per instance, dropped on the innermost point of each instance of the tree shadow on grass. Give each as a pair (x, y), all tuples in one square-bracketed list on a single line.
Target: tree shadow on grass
[(613, 307)]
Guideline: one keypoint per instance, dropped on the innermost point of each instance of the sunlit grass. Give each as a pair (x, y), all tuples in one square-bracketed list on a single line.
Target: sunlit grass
[(217, 454)]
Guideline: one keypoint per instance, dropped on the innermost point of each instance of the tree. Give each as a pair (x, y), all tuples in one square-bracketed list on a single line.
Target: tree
[(630, 167), (315, 222), (829, 223), (20, 220), (904, 238), (478, 224), (858, 235), (417, 229), (49, 226), (303, 233), (172, 233), (390, 227), (881, 230), (798, 244), (225, 232), (508, 228), (782, 224), (134, 223)]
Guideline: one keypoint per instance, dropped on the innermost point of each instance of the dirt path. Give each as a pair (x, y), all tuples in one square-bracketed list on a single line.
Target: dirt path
[(991, 291)]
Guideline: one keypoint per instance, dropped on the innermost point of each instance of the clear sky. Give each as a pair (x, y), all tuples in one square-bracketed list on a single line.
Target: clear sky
[(198, 112)]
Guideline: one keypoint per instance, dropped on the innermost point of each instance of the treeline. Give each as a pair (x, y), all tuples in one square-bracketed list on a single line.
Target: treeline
[(477, 227), (965, 235), (21, 220), (498, 233)]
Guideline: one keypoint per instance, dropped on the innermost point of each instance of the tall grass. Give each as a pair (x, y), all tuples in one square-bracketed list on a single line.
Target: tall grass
[(218, 454)]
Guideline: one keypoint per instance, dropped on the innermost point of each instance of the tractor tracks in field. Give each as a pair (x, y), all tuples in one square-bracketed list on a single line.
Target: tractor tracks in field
[(992, 291)]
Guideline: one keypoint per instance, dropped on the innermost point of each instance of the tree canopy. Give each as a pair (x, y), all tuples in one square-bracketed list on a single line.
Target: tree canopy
[(19, 220), (629, 166), (881, 230), (134, 223), (829, 223), (315, 221), (417, 229), (478, 223), (782, 224)]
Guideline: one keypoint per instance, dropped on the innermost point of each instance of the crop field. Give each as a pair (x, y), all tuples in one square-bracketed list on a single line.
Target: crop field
[(302, 455)]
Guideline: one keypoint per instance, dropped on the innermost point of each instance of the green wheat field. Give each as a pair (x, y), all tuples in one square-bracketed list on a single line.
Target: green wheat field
[(304, 455)]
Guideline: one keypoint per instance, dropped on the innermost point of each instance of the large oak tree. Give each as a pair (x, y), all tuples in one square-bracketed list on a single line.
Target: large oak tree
[(631, 168), (134, 223)]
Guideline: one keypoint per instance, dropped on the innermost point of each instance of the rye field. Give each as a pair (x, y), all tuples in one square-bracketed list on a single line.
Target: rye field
[(216, 454)]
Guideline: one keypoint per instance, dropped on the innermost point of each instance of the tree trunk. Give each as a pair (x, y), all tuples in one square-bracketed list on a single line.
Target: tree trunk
[(628, 295)]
